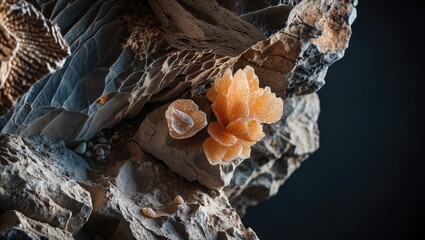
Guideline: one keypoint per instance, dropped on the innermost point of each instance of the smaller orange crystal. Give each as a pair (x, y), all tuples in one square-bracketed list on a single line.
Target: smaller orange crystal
[(184, 119), (240, 106)]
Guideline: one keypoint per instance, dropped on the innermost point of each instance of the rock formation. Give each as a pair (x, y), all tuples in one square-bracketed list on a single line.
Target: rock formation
[(31, 46), (86, 151)]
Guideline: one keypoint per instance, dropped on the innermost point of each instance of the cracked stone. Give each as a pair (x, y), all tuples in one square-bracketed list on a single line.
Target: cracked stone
[(41, 186), (15, 225)]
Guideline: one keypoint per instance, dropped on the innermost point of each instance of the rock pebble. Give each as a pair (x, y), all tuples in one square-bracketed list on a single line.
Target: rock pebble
[(178, 200), (81, 148), (100, 152), (102, 140), (102, 145), (148, 212), (89, 154)]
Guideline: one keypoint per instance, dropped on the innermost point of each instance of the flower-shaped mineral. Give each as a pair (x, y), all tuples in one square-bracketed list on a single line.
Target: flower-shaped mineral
[(184, 119), (240, 107)]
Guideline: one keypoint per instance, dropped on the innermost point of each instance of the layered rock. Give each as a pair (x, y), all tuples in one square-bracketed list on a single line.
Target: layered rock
[(130, 59), (145, 200), (56, 192), (15, 225), (41, 184), (117, 83), (278, 155)]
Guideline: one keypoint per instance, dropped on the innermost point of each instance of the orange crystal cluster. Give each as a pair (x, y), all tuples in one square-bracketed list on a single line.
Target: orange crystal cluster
[(240, 106), (184, 119)]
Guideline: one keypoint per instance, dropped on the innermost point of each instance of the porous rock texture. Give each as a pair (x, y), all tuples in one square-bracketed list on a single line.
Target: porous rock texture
[(129, 60), (57, 194), (141, 184), (31, 46)]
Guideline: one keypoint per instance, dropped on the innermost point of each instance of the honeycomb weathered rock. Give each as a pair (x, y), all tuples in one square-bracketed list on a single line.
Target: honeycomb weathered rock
[(31, 47)]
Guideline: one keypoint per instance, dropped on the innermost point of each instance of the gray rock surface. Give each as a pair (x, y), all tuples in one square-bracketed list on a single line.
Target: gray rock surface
[(242, 7), (143, 183), (57, 188), (287, 143), (15, 225), (81, 148), (39, 179), (269, 20)]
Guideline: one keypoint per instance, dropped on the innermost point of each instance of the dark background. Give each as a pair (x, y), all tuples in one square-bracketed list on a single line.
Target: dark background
[(367, 180)]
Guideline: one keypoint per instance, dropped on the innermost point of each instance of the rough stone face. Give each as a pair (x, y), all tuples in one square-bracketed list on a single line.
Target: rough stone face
[(274, 158), (242, 7), (159, 65), (324, 30), (187, 24), (115, 83), (130, 59), (295, 60), (15, 225), (183, 156), (140, 205), (269, 20), (42, 184), (114, 194)]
